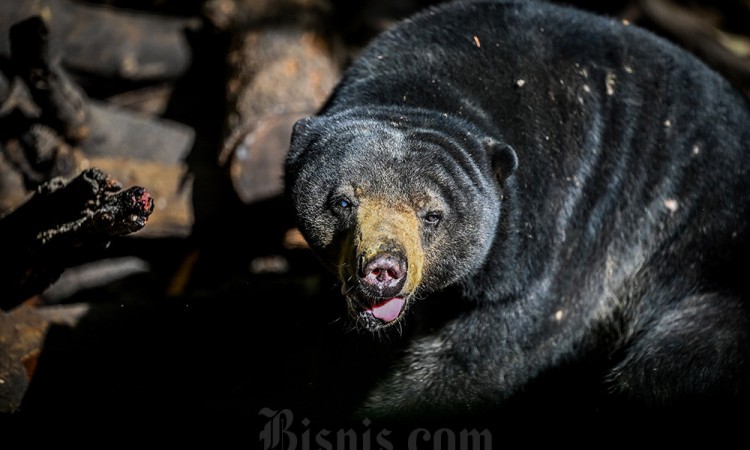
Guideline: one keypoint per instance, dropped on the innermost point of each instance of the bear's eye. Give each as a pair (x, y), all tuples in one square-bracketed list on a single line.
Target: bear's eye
[(433, 217), (341, 203)]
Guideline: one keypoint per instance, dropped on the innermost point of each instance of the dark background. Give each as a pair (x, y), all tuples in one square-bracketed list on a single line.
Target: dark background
[(230, 319)]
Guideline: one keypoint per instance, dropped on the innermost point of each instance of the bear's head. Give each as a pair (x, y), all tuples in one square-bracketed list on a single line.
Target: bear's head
[(396, 206)]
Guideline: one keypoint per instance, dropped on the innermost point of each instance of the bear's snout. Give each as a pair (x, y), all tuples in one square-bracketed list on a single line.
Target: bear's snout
[(384, 275)]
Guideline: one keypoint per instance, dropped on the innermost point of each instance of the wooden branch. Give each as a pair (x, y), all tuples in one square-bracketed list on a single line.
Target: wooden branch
[(108, 42), (61, 101), (277, 75), (49, 128), (58, 223)]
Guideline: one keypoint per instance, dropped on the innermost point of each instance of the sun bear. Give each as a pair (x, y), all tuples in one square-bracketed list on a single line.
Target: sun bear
[(577, 185)]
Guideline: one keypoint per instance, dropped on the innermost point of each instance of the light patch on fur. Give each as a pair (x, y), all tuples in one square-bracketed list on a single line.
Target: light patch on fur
[(609, 82), (382, 224)]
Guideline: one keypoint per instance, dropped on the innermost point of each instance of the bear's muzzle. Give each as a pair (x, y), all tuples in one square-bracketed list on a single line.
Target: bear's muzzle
[(383, 266)]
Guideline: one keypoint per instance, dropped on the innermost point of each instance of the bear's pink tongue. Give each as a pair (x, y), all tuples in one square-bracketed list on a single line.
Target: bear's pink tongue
[(389, 310)]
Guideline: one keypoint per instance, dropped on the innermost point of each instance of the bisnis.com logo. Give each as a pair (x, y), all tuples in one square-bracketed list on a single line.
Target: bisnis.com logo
[(281, 432)]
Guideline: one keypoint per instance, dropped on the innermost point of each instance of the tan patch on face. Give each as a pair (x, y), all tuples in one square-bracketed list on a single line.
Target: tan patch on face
[(384, 226)]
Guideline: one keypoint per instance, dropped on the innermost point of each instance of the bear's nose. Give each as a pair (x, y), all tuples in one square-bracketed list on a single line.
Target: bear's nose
[(384, 275)]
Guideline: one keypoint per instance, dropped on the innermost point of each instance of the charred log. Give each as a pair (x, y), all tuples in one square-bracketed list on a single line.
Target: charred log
[(61, 221)]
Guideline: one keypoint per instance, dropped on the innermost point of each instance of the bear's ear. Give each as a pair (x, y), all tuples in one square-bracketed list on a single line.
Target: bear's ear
[(503, 158), (301, 126), (301, 136)]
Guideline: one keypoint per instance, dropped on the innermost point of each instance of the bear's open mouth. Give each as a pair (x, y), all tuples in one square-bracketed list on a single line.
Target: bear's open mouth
[(376, 312), (380, 314), (387, 310)]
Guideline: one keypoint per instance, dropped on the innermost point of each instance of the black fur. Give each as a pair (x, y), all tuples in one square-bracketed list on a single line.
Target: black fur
[(595, 185)]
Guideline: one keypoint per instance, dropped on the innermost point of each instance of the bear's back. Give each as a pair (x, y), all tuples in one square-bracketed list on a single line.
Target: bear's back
[(614, 127)]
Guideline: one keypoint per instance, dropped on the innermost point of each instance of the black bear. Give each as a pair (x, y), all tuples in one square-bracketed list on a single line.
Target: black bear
[(579, 186)]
